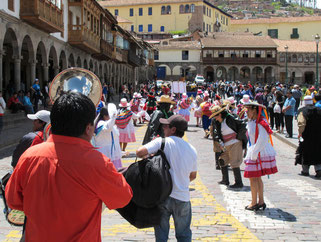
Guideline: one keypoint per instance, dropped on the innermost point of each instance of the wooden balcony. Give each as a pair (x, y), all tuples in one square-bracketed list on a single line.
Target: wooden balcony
[(134, 59), (151, 62), (106, 51), (83, 38), (43, 15), (120, 55), (239, 61)]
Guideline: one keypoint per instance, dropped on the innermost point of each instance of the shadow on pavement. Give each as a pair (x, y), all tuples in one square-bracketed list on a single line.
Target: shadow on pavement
[(277, 214)]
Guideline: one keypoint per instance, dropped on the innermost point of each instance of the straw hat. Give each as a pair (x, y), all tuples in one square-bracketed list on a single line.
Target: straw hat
[(231, 100), (216, 110), (254, 103), (165, 99), (124, 103), (245, 99)]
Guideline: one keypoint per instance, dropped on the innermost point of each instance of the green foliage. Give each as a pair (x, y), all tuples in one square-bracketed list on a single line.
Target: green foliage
[(178, 32), (276, 5), (308, 10)]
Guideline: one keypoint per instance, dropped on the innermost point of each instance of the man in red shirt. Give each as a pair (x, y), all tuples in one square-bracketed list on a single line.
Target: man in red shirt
[(61, 184), (14, 104)]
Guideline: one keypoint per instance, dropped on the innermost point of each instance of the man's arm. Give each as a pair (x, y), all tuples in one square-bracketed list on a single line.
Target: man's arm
[(142, 152), (192, 175)]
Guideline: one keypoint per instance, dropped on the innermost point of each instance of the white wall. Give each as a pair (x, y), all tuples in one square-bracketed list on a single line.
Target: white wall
[(65, 12), (176, 56), (4, 6)]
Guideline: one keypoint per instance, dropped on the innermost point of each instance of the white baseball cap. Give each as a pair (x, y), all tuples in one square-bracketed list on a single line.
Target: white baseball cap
[(42, 115)]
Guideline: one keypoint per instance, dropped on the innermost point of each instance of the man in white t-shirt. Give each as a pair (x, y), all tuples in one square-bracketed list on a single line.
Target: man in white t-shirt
[(183, 161)]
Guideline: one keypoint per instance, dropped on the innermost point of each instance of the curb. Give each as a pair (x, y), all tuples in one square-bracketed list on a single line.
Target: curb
[(285, 140)]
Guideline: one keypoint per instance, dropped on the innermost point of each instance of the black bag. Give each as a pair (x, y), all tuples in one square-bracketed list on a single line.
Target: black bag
[(152, 184)]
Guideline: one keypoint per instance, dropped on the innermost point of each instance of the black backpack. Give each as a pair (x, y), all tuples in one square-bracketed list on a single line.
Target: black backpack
[(152, 184)]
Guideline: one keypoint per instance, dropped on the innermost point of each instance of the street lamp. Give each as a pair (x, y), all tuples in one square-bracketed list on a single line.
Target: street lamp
[(286, 63), (317, 39)]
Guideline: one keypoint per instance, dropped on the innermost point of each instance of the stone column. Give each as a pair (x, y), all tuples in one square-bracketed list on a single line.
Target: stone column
[(45, 72), (32, 73), (56, 70), (1, 72), (17, 73)]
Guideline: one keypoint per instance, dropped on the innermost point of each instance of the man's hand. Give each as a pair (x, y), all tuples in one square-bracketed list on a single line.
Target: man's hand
[(245, 152)]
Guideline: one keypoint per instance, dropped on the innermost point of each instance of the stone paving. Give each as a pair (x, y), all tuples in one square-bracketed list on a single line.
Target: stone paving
[(293, 202)]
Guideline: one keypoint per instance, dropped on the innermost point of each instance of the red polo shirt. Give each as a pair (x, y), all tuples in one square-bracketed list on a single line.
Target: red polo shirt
[(60, 185)]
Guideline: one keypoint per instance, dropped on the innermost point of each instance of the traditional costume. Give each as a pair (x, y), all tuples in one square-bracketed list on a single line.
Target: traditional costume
[(260, 157), (150, 105), (184, 108)]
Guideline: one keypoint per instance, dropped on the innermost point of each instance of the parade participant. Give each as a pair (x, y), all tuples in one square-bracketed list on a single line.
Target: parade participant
[(135, 105), (50, 166), (165, 89), (309, 119), (106, 137), (198, 110), (289, 112), (40, 120), (154, 128), (260, 157), (230, 134), (185, 107), (232, 105), (206, 113), (150, 105), (182, 158), (125, 124), (2, 109)]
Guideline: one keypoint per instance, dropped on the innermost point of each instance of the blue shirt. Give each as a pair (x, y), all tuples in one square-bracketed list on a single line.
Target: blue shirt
[(318, 104), (36, 87), (289, 102), (26, 101)]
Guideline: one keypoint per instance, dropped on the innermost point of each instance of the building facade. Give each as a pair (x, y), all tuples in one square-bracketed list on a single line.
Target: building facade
[(243, 57), (300, 62), (169, 16), (40, 40), (301, 28)]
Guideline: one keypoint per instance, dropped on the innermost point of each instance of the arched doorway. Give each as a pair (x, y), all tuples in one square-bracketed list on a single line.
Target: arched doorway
[(268, 74), (41, 63), (27, 54), (10, 47), (233, 74), (257, 74), (71, 61), (209, 74), (221, 73), (245, 74), (164, 72), (53, 63), (85, 64), (91, 65), (62, 61), (309, 77), (79, 62), (191, 72)]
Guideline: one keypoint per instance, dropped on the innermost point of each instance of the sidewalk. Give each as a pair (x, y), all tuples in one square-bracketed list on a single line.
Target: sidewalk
[(293, 142)]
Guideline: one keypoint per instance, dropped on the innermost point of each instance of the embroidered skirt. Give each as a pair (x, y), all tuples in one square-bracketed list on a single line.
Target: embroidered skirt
[(265, 166)]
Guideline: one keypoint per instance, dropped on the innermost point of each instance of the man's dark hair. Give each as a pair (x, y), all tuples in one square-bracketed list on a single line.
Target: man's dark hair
[(289, 92), (178, 133), (71, 113)]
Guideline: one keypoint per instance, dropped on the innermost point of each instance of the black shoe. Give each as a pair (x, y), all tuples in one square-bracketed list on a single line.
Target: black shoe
[(318, 175), (288, 136), (218, 167), (236, 185), (224, 183), (304, 173), (251, 208), (263, 206)]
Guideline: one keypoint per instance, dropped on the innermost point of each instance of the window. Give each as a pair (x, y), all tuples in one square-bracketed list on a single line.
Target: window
[(268, 54), (209, 28), (294, 58), (204, 10), (163, 11), (246, 54), (162, 29), (300, 59), (192, 8), (282, 58), (132, 28), (186, 8), (312, 58), (221, 53), (226, 21), (233, 54), (206, 27), (168, 10), (257, 54), (273, 33), (295, 34), (156, 55), (140, 28), (209, 12), (150, 11), (131, 12), (164, 43), (306, 59), (181, 9), (140, 12), (150, 28), (11, 5), (203, 26), (185, 55), (116, 12)]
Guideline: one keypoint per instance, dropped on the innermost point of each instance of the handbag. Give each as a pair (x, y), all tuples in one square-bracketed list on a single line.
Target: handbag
[(277, 108)]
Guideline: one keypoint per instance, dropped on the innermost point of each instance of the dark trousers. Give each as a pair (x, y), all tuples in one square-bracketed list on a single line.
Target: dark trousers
[(297, 104), (1, 123), (272, 117), (289, 124), (279, 120)]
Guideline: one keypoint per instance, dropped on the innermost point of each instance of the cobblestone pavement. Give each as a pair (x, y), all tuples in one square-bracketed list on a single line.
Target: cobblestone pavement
[(293, 202)]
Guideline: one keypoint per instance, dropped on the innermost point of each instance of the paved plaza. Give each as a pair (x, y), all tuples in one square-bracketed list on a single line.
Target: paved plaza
[(293, 202)]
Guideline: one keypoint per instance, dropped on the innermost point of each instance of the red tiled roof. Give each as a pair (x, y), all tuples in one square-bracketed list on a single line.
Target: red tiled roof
[(275, 20), (296, 45), (112, 3)]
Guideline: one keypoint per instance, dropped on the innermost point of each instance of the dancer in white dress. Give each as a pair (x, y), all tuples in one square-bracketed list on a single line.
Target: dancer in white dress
[(106, 137)]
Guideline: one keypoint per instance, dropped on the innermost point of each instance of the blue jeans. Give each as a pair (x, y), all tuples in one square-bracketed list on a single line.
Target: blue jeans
[(182, 215)]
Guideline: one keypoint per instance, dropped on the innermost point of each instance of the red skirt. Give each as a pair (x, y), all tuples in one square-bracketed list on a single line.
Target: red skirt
[(267, 166)]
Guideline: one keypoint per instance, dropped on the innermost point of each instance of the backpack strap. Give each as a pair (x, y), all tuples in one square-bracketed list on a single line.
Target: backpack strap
[(163, 144)]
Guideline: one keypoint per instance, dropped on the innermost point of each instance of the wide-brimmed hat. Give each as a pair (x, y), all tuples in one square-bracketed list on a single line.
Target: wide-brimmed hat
[(216, 110), (245, 99), (184, 95), (206, 94), (199, 91), (123, 103), (231, 100), (165, 99), (254, 103)]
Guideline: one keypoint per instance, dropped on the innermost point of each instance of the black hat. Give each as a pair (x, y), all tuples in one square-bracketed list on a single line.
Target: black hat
[(176, 121)]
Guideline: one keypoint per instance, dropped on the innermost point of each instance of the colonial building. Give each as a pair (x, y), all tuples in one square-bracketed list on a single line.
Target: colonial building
[(301, 28), (177, 58), (244, 57), (301, 61), (40, 38), (154, 19)]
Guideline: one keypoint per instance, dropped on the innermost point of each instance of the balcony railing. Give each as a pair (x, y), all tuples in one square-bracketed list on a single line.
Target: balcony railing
[(43, 15), (84, 38), (238, 60), (120, 55), (134, 59), (106, 49)]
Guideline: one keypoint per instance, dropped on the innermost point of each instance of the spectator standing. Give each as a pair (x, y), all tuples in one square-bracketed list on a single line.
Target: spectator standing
[(288, 110), (36, 94), (2, 109), (297, 94), (183, 162), (279, 116)]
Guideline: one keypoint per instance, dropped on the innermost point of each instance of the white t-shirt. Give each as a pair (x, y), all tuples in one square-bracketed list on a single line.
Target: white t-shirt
[(182, 158), (226, 130)]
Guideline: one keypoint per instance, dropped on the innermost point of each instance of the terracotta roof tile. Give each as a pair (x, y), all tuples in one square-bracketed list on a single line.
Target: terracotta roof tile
[(179, 45), (296, 45), (225, 39), (275, 20), (111, 3)]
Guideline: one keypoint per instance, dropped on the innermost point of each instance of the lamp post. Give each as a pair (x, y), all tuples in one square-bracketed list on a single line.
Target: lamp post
[(317, 39), (286, 64)]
